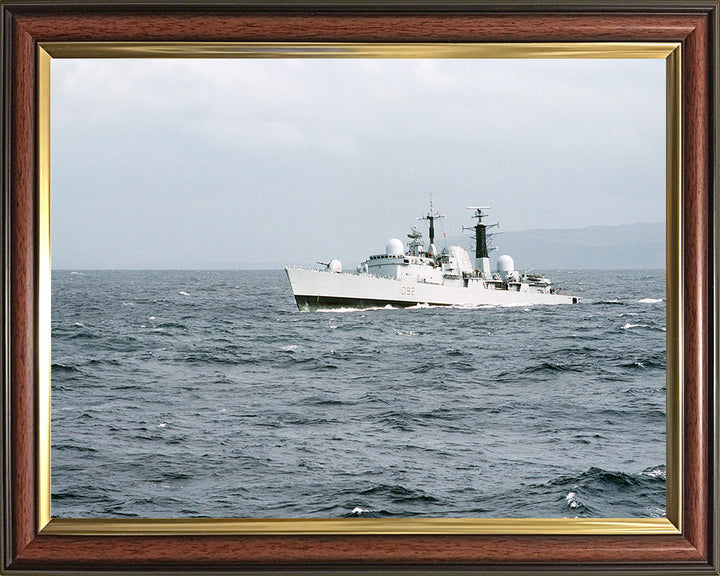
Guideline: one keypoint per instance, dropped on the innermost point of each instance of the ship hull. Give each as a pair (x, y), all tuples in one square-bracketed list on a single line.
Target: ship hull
[(319, 289)]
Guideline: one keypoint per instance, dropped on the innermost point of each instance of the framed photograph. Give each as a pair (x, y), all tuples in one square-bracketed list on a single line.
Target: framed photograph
[(208, 136)]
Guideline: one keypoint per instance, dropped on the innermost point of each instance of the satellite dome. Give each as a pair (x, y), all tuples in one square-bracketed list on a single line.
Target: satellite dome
[(335, 265), (394, 247), (505, 264)]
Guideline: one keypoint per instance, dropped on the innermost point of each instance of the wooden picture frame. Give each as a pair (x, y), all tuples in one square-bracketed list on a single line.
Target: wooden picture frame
[(687, 543)]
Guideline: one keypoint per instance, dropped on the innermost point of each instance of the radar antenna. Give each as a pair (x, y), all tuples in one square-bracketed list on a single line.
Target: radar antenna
[(431, 217), (415, 234)]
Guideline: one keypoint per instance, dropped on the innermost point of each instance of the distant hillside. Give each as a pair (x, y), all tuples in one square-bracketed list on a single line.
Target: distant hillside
[(634, 246)]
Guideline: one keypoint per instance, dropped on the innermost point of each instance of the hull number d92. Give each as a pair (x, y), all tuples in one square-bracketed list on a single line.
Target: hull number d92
[(407, 290)]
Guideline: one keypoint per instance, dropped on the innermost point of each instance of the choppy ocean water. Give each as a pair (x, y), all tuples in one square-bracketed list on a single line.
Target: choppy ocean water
[(207, 393)]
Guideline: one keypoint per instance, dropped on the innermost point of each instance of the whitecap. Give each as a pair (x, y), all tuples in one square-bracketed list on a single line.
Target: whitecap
[(151, 318), (184, 293), (654, 472), (78, 324), (290, 347), (405, 332), (650, 300), (163, 425), (656, 512), (343, 310), (571, 501), (628, 326)]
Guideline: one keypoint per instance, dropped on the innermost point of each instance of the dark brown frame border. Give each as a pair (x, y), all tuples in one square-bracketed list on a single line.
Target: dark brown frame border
[(692, 23)]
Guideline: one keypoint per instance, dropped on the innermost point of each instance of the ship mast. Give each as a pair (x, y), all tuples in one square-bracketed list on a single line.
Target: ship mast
[(482, 256), (431, 217)]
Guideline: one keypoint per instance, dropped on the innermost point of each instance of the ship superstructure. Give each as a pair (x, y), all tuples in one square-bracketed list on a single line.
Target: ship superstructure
[(422, 275)]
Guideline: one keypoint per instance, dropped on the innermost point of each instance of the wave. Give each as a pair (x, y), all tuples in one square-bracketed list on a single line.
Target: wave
[(64, 368), (320, 401), (171, 325), (598, 477), (425, 367), (628, 326), (344, 310), (210, 358), (406, 332), (579, 349), (82, 336), (548, 368), (644, 363), (171, 475), (462, 366), (398, 494), (74, 448), (359, 512), (594, 493), (85, 493), (454, 352), (590, 489), (397, 420), (650, 300), (647, 327), (655, 472), (103, 362)]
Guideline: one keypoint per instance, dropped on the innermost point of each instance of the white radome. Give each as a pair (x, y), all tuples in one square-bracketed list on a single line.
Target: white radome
[(394, 247), (505, 264)]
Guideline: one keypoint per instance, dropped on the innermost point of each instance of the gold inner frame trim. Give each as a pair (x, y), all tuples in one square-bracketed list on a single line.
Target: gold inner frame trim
[(236, 526), (357, 50), (349, 526)]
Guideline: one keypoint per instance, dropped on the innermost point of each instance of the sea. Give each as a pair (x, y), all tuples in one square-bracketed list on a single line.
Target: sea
[(188, 394)]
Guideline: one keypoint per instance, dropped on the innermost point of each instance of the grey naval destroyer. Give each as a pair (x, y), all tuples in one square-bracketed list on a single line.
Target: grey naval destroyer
[(422, 275)]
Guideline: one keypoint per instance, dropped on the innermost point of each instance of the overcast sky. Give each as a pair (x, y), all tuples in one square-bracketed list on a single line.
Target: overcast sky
[(263, 163)]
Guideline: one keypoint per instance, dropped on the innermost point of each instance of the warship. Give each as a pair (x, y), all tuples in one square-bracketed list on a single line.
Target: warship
[(423, 276)]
